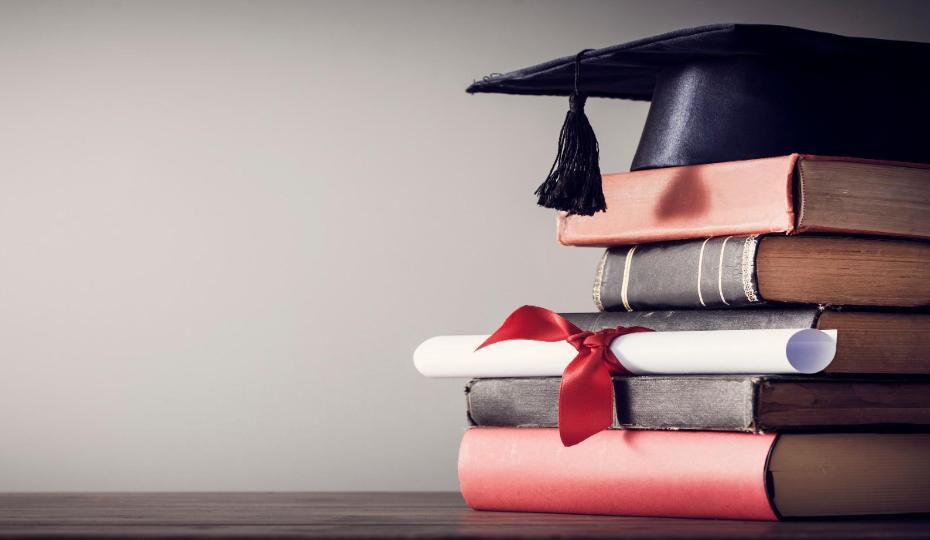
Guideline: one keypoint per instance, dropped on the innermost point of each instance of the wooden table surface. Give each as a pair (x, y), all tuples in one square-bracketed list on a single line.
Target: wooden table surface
[(373, 515)]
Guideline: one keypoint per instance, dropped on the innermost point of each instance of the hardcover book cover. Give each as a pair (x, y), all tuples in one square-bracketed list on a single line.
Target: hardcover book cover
[(786, 194)]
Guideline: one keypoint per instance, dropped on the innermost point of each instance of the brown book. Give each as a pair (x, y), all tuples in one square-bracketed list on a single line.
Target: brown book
[(734, 271), (788, 194), (850, 473), (838, 270), (886, 343)]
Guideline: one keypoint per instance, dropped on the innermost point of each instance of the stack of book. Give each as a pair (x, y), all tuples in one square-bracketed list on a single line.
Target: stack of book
[(737, 446), (792, 242)]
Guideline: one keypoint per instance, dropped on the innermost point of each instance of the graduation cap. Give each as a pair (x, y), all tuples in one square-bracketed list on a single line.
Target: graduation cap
[(730, 92)]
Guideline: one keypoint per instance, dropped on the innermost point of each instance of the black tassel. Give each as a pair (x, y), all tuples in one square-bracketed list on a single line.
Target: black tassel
[(574, 181)]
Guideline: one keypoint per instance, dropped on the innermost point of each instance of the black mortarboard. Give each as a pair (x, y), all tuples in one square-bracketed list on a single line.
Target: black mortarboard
[(730, 92)]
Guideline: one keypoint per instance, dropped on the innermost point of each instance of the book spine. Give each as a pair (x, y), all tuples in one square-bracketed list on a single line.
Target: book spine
[(643, 473), (711, 319), (715, 272), (690, 403)]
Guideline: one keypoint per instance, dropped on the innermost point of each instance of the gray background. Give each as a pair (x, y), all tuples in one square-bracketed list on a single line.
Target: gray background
[(224, 226)]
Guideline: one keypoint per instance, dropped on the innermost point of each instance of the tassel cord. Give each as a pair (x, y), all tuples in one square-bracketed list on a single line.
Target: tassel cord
[(574, 180)]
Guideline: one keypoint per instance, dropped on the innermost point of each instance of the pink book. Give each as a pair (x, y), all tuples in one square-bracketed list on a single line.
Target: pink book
[(787, 194), (696, 474)]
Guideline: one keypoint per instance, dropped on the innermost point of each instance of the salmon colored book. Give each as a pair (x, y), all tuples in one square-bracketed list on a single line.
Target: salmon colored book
[(696, 474), (788, 194)]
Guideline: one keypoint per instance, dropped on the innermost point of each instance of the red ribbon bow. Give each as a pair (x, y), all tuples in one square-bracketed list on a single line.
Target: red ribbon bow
[(586, 394)]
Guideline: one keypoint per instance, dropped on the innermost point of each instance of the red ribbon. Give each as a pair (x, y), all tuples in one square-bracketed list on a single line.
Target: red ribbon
[(586, 394)]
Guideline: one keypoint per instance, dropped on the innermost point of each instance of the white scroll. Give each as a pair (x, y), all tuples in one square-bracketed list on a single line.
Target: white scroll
[(715, 352)]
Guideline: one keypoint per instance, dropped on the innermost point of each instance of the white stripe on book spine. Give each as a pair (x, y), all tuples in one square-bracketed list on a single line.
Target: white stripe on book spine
[(625, 285), (720, 271), (700, 265)]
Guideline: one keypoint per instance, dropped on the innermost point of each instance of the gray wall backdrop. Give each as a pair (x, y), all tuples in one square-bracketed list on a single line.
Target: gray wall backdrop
[(225, 226)]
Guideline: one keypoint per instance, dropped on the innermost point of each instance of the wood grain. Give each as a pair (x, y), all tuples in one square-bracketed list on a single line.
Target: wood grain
[(373, 515)]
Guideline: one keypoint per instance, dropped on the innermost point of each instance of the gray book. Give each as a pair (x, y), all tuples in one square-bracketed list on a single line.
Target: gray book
[(748, 271), (719, 403)]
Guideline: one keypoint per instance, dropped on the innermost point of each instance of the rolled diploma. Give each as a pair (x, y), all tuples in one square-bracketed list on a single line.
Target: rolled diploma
[(717, 352)]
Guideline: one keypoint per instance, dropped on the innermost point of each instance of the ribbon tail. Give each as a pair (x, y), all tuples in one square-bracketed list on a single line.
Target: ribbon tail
[(586, 398)]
